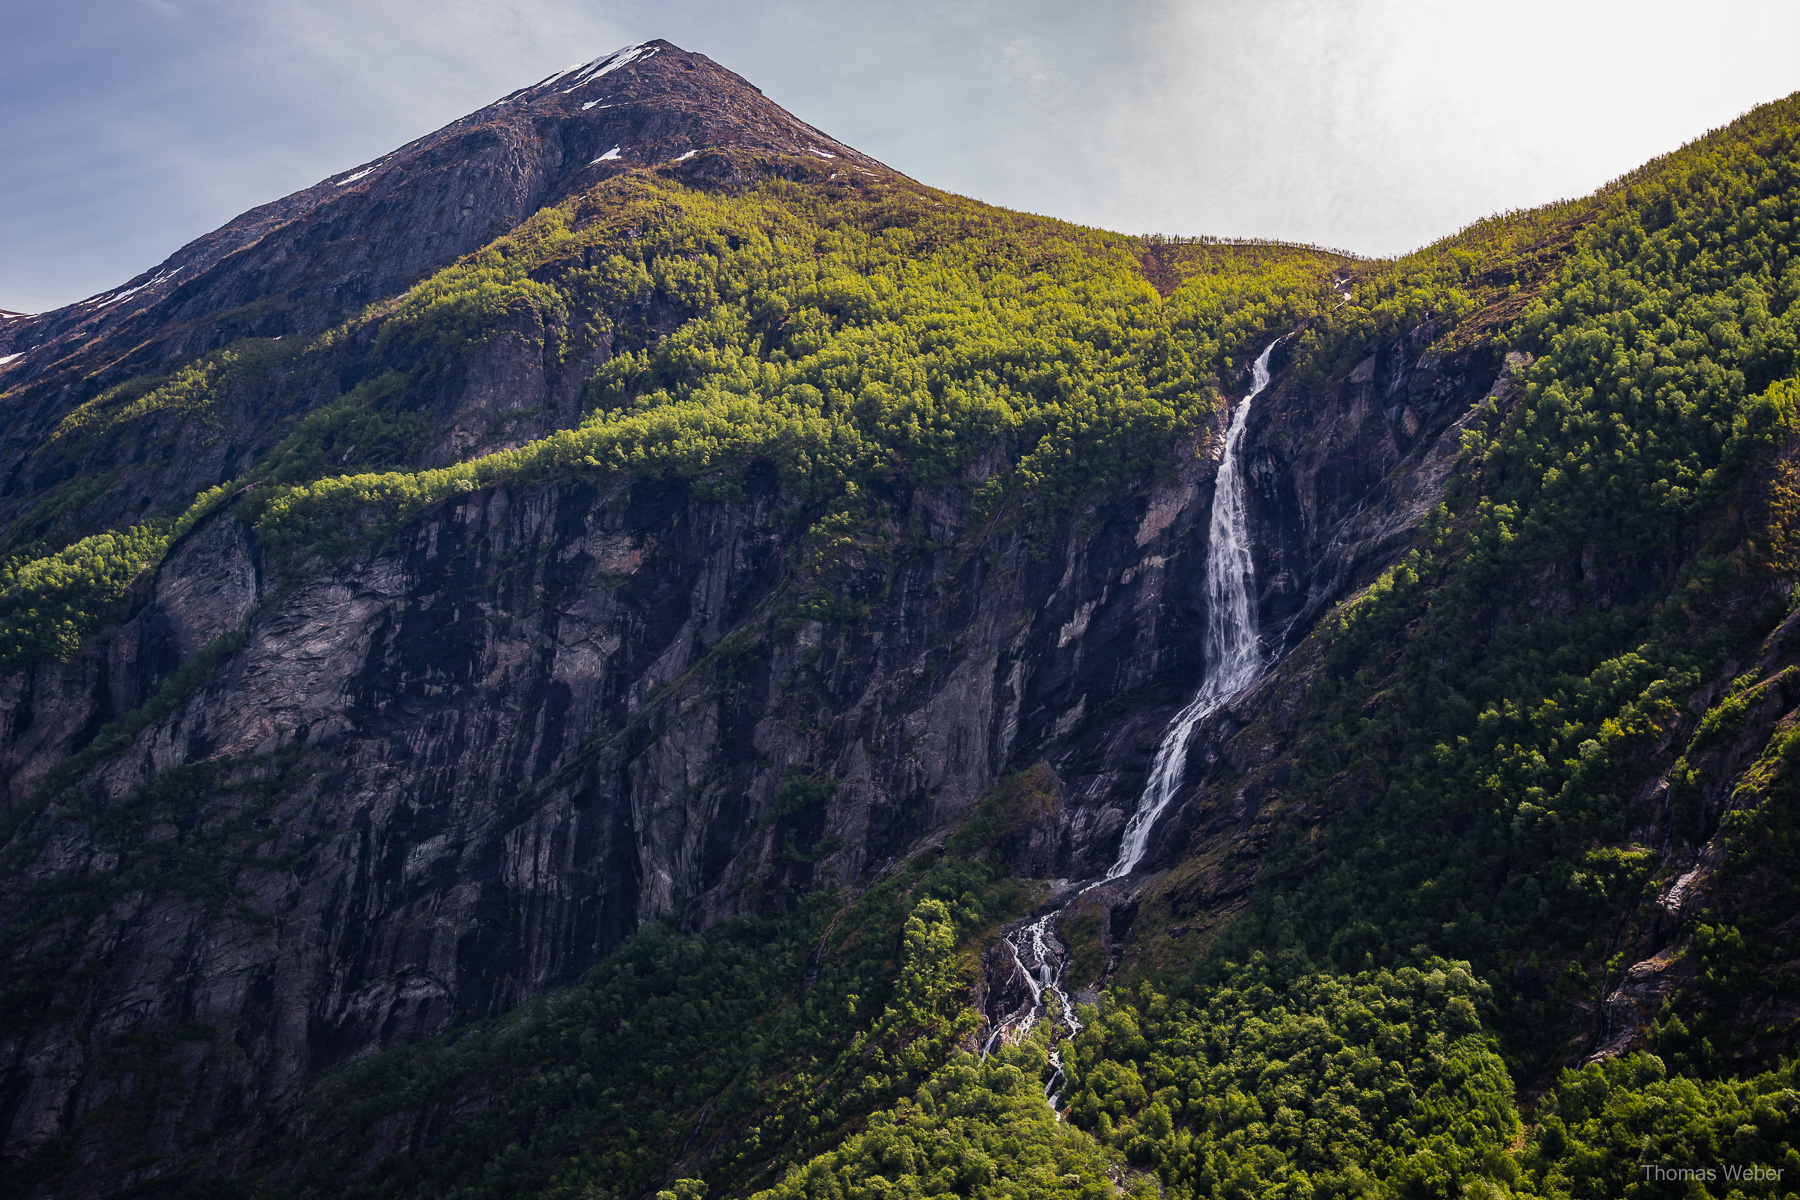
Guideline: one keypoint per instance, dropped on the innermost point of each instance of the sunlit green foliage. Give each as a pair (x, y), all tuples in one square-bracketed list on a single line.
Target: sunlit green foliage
[(847, 337), (1604, 1125), (979, 1128), (48, 605), (848, 340), (1301, 1085), (1271, 1084)]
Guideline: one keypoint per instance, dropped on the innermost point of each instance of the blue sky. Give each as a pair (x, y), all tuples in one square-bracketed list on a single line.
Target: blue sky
[(133, 126)]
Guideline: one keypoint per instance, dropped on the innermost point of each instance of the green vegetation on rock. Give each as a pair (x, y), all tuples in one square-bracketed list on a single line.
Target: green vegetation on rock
[(846, 340), (1466, 838), (49, 605), (1497, 707), (731, 1055)]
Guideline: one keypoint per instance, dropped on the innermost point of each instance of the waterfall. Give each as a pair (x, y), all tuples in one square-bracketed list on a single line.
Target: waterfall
[(1233, 659), (1232, 649)]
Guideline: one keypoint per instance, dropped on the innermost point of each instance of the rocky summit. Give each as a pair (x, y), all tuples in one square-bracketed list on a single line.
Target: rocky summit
[(626, 649)]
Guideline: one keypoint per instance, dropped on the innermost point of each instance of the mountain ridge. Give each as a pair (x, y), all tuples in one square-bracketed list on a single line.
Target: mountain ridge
[(699, 107)]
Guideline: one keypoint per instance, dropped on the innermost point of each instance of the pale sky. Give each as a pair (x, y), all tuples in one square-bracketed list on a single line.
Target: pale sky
[(133, 126)]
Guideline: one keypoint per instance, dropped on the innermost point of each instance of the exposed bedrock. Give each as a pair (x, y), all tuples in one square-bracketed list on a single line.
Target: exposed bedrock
[(451, 770)]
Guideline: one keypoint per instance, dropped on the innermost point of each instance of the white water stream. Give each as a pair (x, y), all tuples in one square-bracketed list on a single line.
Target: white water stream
[(1233, 646), (1233, 659)]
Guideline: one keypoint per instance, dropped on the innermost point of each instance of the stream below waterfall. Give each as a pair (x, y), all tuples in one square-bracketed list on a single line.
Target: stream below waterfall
[(1233, 658)]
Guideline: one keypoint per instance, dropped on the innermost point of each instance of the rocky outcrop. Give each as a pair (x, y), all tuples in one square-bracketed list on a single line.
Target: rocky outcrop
[(1697, 882), (1340, 477)]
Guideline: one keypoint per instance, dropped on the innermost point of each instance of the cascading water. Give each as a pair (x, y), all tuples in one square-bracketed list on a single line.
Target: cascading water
[(1233, 649), (1233, 656), (1038, 960)]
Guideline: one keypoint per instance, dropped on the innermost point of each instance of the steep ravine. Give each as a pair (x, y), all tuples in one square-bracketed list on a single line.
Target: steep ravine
[(451, 770)]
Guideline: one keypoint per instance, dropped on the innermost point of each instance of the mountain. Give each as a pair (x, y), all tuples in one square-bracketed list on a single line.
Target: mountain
[(307, 261), (305, 264), (627, 649)]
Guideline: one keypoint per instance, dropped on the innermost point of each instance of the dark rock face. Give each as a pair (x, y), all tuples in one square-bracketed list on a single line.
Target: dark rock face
[(1343, 475), (523, 732), (452, 771), (1340, 478)]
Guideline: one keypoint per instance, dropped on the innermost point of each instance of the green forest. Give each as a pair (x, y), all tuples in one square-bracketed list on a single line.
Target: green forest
[(1403, 1004), (847, 338)]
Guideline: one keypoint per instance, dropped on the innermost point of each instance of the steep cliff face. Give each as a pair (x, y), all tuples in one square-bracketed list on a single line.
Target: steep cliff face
[(451, 770), (1341, 475), (1343, 472)]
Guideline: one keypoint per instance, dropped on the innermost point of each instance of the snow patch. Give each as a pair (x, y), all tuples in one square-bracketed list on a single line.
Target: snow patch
[(607, 157), (582, 73), (604, 65), (360, 174), (104, 299), (6, 358), (592, 103), (547, 80), (688, 155), (820, 153)]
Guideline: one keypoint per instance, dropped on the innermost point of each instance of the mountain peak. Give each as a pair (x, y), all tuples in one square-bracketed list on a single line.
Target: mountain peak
[(655, 102), (587, 72), (300, 263)]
